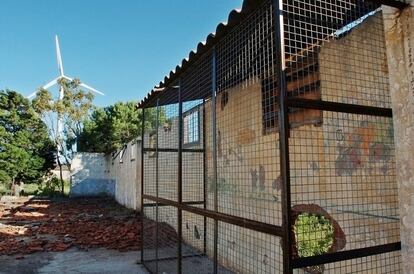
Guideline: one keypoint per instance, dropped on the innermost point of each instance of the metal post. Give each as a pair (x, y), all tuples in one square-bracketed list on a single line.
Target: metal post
[(204, 175), (283, 135), (156, 186), (180, 178), (214, 145), (142, 184)]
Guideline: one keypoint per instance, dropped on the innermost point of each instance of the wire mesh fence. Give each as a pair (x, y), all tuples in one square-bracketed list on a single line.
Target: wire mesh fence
[(271, 149)]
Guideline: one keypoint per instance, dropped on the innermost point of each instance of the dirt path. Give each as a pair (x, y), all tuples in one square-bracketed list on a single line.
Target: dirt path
[(73, 260)]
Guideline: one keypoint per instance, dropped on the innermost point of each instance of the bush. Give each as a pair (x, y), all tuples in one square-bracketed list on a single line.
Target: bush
[(4, 189), (51, 188), (314, 234), (29, 189)]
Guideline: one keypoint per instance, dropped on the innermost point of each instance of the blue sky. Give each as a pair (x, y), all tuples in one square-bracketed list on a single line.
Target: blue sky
[(122, 48)]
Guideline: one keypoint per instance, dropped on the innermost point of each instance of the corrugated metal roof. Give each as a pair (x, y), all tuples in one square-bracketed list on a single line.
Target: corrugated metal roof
[(235, 17)]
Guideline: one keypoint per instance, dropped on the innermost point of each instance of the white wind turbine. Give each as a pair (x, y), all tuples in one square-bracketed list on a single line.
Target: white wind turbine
[(62, 76), (61, 89)]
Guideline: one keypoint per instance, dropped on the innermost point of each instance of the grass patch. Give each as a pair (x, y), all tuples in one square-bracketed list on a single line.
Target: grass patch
[(50, 189), (314, 234), (30, 189), (4, 190), (53, 188)]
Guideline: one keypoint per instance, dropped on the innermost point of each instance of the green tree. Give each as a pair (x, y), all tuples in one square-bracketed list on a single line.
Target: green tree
[(72, 110), (109, 128), (26, 151)]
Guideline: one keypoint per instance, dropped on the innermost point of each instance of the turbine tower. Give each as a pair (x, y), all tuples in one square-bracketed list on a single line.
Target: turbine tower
[(56, 81)]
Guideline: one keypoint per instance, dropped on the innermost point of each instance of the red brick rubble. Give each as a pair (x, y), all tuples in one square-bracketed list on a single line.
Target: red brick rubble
[(44, 225)]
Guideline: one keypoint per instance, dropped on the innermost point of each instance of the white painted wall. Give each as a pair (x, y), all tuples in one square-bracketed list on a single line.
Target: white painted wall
[(125, 168), (116, 175), (90, 176)]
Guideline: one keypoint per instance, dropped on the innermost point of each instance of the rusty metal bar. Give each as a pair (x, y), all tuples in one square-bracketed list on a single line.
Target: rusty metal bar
[(283, 135), (142, 183), (339, 107), (346, 255), (191, 203), (175, 258), (204, 175), (392, 3), (156, 185), (180, 179), (222, 217), (190, 150), (214, 146)]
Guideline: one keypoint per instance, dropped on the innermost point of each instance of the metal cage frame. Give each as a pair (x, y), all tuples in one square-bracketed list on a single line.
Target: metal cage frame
[(199, 80)]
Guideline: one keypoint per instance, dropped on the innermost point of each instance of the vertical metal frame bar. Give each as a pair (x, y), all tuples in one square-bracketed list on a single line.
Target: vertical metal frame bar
[(142, 183), (180, 179), (156, 184), (283, 136), (214, 147), (204, 176)]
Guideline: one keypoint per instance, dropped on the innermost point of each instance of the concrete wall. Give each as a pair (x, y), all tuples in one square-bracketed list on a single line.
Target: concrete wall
[(113, 175), (65, 173), (399, 35), (90, 176), (125, 168)]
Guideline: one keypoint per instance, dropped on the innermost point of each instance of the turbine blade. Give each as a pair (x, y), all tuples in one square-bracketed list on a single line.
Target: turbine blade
[(51, 83), (67, 78), (59, 56), (32, 95), (91, 88), (84, 85)]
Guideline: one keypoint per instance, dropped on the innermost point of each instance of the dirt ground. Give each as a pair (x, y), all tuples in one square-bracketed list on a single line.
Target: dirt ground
[(73, 260), (68, 236)]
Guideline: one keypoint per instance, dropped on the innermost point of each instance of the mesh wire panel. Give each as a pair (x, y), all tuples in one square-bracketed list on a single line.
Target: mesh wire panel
[(382, 263), (160, 238), (345, 170), (336, 49), (149, 235), (342, 165), (196, 235), (163, 258), (193, 158), (247, 251), (248, 179)]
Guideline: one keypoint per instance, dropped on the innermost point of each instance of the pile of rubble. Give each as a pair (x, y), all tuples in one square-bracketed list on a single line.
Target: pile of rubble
[(34, 225)]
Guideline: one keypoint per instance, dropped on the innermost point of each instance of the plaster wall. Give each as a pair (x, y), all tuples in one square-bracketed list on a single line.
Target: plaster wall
[(399, 33), (116, 175), (90, 176), (125, 168)]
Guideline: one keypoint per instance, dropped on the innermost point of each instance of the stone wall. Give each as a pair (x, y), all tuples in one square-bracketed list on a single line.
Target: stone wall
[(399, 33)]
